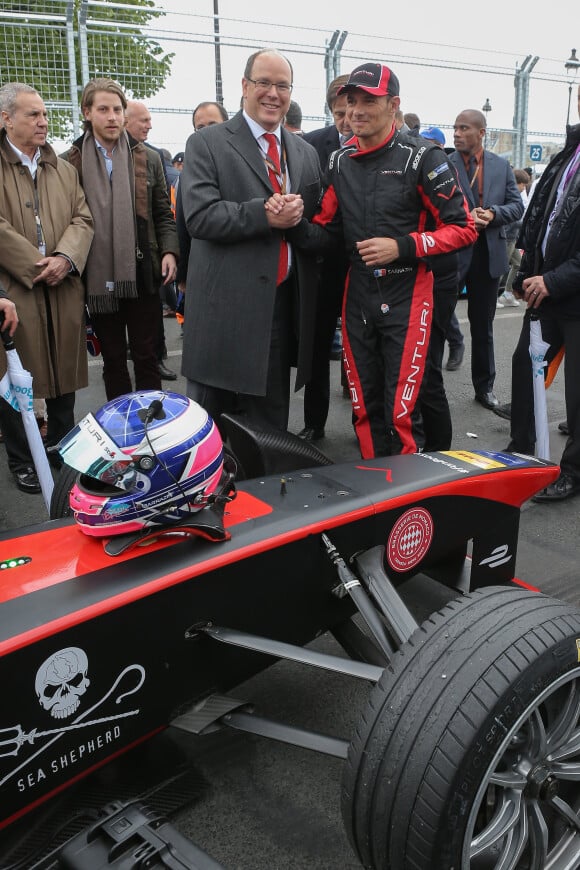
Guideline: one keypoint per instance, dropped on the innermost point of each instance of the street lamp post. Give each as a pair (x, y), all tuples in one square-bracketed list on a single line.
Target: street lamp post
[(571, 66), (486, 108), (219, 93)]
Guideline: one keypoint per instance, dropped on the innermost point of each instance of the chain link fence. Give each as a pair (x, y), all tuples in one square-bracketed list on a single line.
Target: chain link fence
[(34, 42), (58, 45)]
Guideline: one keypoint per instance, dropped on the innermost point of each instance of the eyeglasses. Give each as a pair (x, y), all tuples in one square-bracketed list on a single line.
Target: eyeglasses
[(265, 85)]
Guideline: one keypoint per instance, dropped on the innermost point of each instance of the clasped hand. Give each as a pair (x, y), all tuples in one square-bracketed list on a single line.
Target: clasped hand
[(482, 217), (54, 270), (284, 210)]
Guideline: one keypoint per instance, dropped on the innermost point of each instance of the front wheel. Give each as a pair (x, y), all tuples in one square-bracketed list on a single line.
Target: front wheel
[(467, 756)]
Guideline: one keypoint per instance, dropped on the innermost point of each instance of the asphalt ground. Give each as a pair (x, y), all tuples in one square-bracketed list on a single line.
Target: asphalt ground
[(266, 806)]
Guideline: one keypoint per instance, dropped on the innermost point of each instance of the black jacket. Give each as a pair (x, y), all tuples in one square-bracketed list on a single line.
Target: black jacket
[(325, 140), (394, 190), (561, 265)]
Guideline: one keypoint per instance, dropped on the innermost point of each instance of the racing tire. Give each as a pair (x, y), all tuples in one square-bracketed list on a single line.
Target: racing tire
[(355, 638), (467, 754), (64, 482)]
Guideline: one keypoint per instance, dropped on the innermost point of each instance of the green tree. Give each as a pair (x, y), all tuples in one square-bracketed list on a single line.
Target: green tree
[(34, 47)]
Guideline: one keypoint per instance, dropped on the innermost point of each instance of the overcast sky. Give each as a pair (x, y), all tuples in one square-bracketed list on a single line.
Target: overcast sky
[(477, 47)]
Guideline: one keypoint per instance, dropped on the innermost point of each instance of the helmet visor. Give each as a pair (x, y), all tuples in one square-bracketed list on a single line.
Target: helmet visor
[(91, 451)]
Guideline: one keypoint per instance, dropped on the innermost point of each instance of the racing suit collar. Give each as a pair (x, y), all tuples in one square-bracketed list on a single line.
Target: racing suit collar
[(359, 151)]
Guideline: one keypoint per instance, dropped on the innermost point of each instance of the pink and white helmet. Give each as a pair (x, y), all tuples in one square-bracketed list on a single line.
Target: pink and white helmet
[(146, 459)]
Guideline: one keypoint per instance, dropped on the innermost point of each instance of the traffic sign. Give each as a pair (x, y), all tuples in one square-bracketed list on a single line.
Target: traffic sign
[(535, 152)]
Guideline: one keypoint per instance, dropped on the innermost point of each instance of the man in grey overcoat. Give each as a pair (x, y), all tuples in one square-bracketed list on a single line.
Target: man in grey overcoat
[(247, 320)]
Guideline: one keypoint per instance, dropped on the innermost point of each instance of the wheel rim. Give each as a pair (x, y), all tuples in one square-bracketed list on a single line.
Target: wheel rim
[(525, 814)]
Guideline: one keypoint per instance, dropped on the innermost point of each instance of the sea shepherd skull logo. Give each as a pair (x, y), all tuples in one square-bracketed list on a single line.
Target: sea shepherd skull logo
[(61, 680)]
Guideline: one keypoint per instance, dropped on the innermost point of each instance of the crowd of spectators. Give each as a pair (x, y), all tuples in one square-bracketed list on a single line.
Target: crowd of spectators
[(264, 240)]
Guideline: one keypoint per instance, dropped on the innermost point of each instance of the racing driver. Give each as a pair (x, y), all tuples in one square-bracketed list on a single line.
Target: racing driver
[(394, 201)]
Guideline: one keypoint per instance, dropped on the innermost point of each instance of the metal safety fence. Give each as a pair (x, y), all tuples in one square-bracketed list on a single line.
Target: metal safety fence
[(161, 55)]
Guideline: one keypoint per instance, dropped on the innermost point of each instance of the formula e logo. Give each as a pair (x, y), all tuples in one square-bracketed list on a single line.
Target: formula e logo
[(498, 557)]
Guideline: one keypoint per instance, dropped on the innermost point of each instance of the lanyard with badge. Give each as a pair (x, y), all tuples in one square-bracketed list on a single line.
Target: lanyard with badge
[(280, 172), (39, 231)]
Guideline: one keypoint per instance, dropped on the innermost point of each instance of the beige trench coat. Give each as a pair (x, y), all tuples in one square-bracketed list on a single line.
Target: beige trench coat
[(61, 366)]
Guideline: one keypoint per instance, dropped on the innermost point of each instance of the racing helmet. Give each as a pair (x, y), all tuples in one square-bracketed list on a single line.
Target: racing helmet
[(147, 460)]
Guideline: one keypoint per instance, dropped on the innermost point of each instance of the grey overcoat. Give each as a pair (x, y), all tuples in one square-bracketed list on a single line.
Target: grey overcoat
[(231, 280)]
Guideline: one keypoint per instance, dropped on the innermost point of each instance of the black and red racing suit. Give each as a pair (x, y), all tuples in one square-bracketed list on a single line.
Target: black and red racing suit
[(395, 190)]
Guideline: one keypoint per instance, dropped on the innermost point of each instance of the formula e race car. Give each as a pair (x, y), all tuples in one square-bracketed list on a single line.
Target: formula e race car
[(467, 751)]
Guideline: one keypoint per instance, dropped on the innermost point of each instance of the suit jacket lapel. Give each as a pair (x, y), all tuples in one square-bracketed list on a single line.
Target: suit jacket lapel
[(457, 160), (486, 169), (295, 158), (333, 138), (332, 143), (242, 139)]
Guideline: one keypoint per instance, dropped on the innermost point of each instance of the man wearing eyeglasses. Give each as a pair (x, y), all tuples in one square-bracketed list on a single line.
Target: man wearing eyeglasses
[(251, 291)]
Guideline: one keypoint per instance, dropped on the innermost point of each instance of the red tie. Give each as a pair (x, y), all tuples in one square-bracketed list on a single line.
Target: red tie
[(275, 173)]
